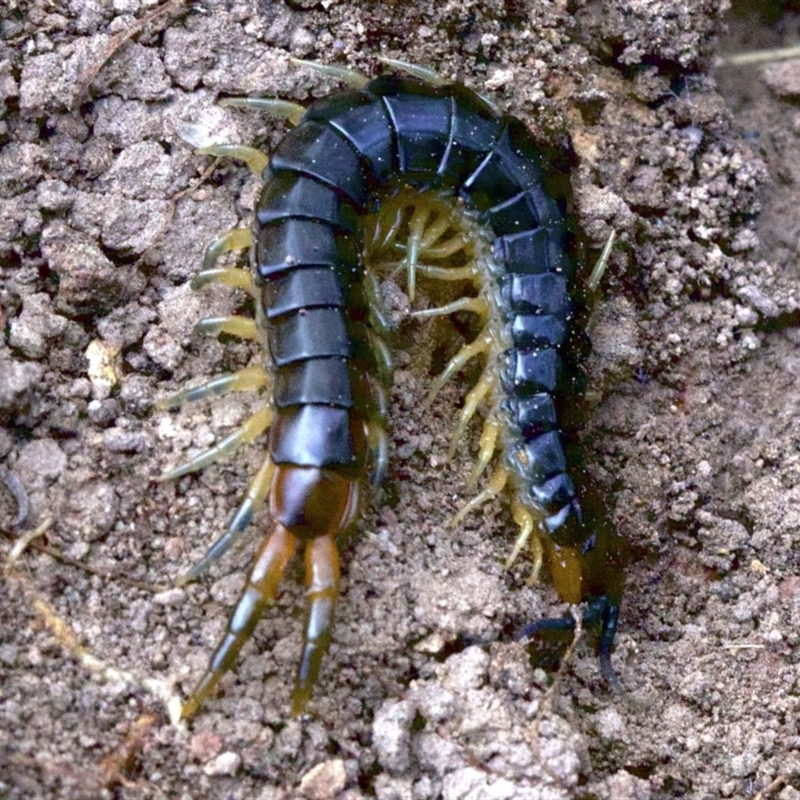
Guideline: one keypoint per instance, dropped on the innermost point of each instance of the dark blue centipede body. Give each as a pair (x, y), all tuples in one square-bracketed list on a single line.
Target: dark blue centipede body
[(333, 165), (330, 377)]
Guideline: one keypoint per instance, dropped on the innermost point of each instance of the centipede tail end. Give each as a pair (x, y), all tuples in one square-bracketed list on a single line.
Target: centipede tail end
[(260, 590), (600, 617), (586, 567)]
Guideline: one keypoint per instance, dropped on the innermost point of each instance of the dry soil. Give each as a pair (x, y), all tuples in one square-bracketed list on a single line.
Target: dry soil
[(693, 432)]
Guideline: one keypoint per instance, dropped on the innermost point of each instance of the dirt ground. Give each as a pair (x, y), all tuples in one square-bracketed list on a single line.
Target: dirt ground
[(693, 437)]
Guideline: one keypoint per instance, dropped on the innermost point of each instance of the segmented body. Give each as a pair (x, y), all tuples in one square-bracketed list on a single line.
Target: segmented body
[(363, 169)]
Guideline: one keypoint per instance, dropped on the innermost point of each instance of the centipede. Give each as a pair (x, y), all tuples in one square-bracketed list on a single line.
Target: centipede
[(410, 176)]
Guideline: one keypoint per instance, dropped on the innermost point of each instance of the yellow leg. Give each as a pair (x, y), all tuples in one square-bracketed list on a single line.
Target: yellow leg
[(386, 230), (435, 231), (496, 485), (350, 77), (593, 281), (255, 159), (243, 327), (383, 356), (488, 443), (477, 305), (528, 535), (481, 344), (447, 273), (416, 229), (448, 248), (253, 427), (423, 73), (230, 276), (414, 225), (378, 317), (253, 501), (471, 403), (272, 107), (416, 249), (378, 441), (245, 380), (233, 239)]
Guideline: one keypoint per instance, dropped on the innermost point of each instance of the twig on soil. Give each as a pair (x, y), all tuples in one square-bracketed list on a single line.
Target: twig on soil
[(117, 765), (83, 83), (778, 783), (69, 640), (28, 540), (173, 204), (25, 541)]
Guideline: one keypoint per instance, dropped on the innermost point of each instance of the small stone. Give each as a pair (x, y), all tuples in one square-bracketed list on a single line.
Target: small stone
[(21, 167), (40, 463), (54, 195), (8, 654), (132, 226), (103, 367), (390, 788), (18, 386), (42, 83), (91, 510), (622, 784), (141, 171), (391, 735), (465, 670), (432, 644), (102, 412), (169, 597), (89, 283), (121, 440), (140, 76), (126, 325), (784, 77), (35, 326), (163, 348), (610, 725), (227, 763), (324, 781)]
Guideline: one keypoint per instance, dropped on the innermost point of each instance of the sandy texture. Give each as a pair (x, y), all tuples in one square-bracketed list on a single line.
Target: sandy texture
[(694, 436)]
